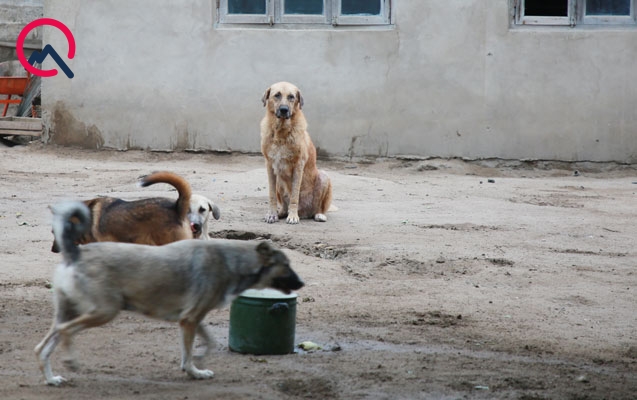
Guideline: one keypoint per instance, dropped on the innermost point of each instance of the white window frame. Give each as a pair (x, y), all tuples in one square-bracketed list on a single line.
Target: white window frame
[(576, 16), (608, 19), (521, 19), (331, 15)]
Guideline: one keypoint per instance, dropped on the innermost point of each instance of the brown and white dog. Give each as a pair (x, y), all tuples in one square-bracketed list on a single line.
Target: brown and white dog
[(199, 215), (297, 189), (154, 221)]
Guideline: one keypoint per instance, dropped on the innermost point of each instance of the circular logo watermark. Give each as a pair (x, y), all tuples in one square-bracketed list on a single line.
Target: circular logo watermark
[(48, 50)]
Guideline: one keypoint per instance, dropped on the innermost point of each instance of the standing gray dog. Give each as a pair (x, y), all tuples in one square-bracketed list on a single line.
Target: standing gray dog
[(178, 282)]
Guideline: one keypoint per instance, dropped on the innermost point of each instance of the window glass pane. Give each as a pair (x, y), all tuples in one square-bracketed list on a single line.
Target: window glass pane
[(546, 8), (304, 7), (357, 7), (608, 7), (246, 6)]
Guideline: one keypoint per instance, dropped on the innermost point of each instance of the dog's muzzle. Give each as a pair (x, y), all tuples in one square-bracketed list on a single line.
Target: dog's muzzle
[(283, 112), (288, 283), (196, 228)]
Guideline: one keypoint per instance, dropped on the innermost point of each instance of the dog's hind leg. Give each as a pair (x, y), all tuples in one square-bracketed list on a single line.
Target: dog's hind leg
[(188, 329), (65, 330), (322, 193), (66, 312), (69, 360), (43, 351), (207, 339), (63, 312)]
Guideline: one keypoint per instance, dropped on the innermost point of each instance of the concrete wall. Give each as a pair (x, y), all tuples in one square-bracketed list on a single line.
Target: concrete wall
[(450, 79), (14, 15)]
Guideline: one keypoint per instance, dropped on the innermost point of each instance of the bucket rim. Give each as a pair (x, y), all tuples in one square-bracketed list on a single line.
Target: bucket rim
[(267, 294)]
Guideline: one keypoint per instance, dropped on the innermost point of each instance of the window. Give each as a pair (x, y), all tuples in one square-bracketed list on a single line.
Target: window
[(318, 12), (574, 12)]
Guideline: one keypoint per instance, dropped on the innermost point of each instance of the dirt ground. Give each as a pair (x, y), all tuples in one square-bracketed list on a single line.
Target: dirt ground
[(435, 279)]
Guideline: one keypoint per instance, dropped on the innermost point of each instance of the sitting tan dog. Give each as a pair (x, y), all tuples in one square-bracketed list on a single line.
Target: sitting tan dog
[(297, 189)]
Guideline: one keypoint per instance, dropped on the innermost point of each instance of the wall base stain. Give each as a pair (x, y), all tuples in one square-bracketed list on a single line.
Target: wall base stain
[(67, 130)]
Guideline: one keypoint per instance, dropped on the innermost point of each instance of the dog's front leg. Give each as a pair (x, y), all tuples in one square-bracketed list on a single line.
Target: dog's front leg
[(273, 214), (293, 210), (188, 329)]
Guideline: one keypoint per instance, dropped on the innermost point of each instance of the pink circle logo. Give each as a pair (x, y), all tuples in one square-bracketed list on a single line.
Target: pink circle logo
[(48, 50)]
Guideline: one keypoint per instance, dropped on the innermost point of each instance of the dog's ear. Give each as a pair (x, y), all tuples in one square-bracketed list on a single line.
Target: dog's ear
[(298, 95), (91, 203), (265, 251), (265, 97), (216, 213), (55, 248)]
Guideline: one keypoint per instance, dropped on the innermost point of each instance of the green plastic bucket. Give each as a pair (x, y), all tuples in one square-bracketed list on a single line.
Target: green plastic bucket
[(263, 322)]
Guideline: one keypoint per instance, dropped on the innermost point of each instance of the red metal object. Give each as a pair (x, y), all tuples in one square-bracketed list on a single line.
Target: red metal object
[(12, 86)]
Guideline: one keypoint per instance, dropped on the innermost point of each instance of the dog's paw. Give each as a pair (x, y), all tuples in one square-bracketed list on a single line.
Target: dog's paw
[(293, 218), (55, 381), (320, 218), (271, 218), (200, 373)]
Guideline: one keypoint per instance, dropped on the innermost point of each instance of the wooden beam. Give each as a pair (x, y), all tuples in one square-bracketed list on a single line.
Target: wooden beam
[(10, 132), (21, 124)]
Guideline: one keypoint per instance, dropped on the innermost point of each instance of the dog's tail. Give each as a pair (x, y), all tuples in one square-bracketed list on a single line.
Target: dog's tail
[(182, 186), (71, 220)]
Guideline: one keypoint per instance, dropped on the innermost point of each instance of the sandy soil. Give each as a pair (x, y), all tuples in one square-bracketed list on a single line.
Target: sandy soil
[(430, 281)]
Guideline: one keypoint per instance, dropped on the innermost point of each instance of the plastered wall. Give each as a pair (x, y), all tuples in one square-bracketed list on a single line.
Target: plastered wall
[(450, 79)]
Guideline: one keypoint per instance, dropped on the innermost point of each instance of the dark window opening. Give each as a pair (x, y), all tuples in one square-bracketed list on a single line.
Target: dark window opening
[(546, 8), (246, 6), (360, 7), (313, 7)]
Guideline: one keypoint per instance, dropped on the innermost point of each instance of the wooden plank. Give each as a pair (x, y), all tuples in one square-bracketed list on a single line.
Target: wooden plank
[(9, 132), (28, 44), (21, 124)]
